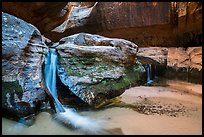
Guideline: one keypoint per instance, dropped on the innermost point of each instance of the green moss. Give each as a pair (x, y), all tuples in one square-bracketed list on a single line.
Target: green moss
[(106, 86), (96, 68), (132, 74), (10, 87), (109, 79), (86, 66)]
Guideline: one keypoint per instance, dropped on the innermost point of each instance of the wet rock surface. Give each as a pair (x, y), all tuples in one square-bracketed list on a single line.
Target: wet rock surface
[(174, 62), (93, 67), (97, 68), (22, 59)]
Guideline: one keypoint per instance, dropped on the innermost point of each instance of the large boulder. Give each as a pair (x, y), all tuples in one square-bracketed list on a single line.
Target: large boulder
[(22, 58), (94, 68), (97, 68)]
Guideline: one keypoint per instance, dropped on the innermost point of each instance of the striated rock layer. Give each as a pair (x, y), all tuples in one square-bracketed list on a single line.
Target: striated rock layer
[(167, 24)]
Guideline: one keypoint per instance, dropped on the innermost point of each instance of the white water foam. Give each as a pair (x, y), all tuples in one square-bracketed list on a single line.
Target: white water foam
[(83, 123), (67, 116)]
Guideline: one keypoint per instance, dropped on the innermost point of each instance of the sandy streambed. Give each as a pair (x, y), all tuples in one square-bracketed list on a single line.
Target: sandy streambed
[(173, 108)]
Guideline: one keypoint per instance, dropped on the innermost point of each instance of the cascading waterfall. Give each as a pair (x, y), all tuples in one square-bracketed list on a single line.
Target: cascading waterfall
[(150, 76), (63, 114), (51, 72), (148, 72), (50, 78)]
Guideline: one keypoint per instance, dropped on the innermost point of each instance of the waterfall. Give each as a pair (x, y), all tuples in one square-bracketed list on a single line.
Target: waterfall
[(148, 72), (63, 114), (155, 72), (50, 71), (50, 78), (150, 76)]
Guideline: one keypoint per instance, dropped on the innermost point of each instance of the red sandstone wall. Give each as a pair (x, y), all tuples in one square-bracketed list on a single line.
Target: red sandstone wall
[(145, 23)]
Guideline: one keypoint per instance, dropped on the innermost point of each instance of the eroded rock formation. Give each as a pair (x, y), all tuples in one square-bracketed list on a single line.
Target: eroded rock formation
[(77, 16), (22, 58), (153, 55), (98, 68), (185, 62), (145, 23), (189, 58), (44, 15), (93, 67), (173, 62)]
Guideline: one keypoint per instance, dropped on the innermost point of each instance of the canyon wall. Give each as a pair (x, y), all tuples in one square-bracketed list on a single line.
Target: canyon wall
[(144, 23)]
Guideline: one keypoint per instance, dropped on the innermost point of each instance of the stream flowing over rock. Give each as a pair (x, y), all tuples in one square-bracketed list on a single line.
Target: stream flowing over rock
[(94, 68)]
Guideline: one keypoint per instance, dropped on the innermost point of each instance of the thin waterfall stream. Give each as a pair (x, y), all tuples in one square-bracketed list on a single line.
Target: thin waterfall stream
[(150, 73), (63, 114), (50, 78)]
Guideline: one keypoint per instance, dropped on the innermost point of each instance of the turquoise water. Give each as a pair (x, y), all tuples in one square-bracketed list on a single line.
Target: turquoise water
[(67, 116)]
